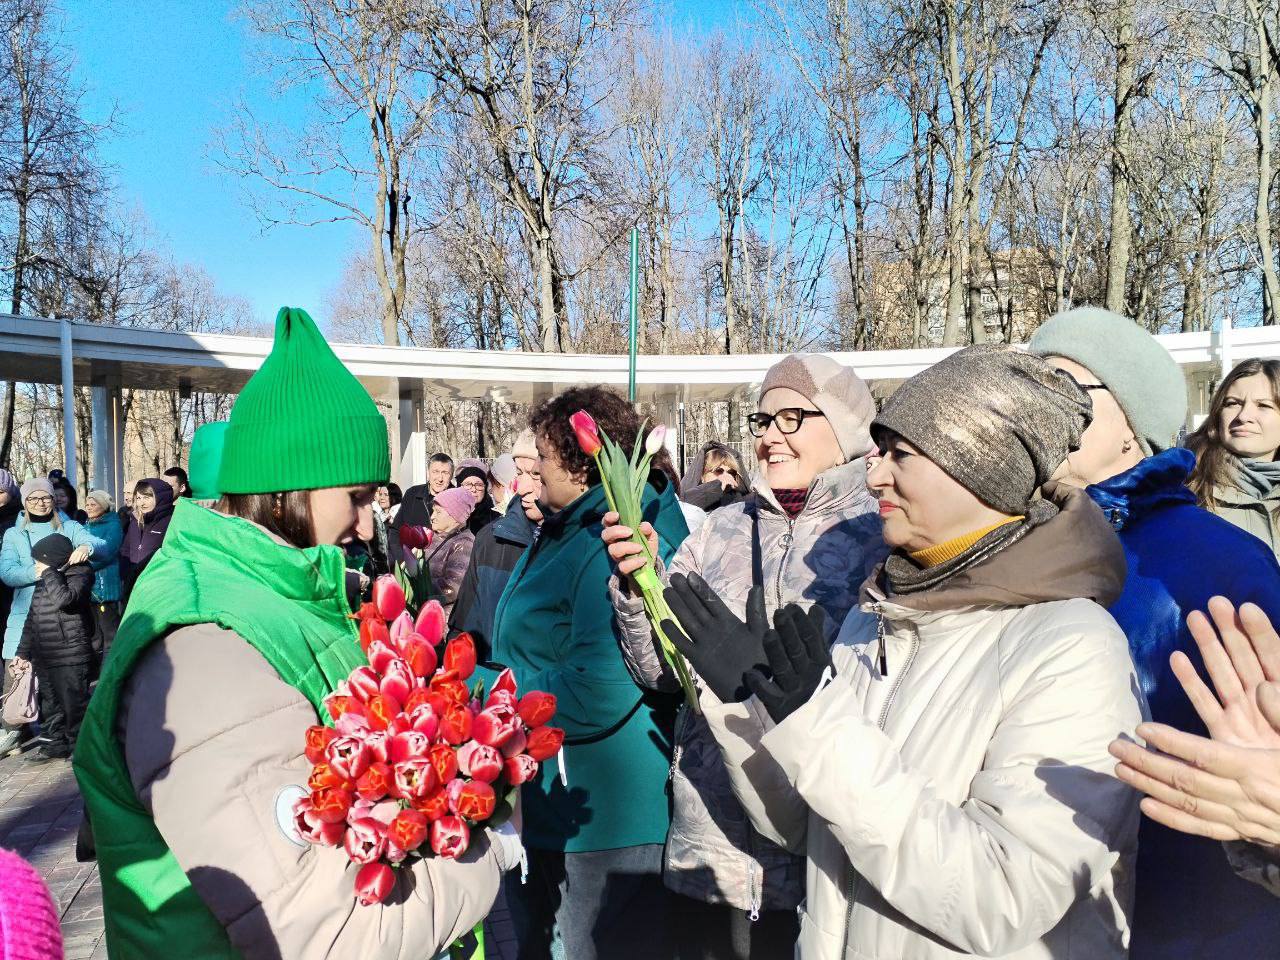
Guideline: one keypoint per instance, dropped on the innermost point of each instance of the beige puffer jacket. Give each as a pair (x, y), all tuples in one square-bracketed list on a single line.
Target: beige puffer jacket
[(819, 557), (962, 802), (221, 749)]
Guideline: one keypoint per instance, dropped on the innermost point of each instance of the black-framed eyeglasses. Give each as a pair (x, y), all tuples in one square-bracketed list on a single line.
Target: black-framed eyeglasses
[(788, 420)]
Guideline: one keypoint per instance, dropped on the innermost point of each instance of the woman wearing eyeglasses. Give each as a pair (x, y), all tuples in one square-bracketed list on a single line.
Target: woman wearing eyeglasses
[(808, 535)]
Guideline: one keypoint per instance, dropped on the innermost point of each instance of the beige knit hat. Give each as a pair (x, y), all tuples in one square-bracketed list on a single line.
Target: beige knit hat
[(525, 446), (834, 389)]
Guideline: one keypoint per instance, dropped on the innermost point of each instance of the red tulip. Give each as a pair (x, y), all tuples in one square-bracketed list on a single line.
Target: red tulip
[(439, 702), (444, 761), (373, 629), (331, 804), (506, 681), (410, 745), (448, 685), (414, 779), (349, 757), (544, 742), (367, 611), (460, 656), (520, 769), (398, 681), (375, 783), (317, 740), (381, 711), (412, 537), (494, 726), (339, 703), (323, 775), (409, 829), (388, 597), (450, 837), (431, 622), (417, 698), (366, 840), (455, 724), (537, 708), (475, 801), (434, 806), (363, 683), (312, 828), (479, 761), (588, 434), (420, 655), (373, 883)]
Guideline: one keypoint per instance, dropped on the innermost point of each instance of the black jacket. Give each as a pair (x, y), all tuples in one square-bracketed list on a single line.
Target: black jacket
[(497, 549), (59, 626)]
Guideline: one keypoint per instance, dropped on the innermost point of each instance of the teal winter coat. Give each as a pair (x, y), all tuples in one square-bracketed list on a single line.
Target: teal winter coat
[(555, 628), (106, 580), (18, 570)]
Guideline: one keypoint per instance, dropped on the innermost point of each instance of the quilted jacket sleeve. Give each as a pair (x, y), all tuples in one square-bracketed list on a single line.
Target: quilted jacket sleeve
[(213, 740), (1255, 864), (1045, 818)]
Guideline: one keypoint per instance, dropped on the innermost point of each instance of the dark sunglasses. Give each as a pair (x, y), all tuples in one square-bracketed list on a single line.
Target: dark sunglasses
[(788, 420)]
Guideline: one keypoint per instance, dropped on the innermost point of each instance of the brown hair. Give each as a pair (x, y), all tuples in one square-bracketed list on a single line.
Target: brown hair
[(611, 412), (293, 525), (1215, 464)]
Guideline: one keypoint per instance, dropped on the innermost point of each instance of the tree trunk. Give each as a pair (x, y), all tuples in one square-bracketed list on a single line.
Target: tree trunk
[(1120, 236), (957, 201), (1262, 207)]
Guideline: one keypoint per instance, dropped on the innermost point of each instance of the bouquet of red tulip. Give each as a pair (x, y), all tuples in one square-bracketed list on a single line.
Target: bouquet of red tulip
[(415, 760), (623, 479)]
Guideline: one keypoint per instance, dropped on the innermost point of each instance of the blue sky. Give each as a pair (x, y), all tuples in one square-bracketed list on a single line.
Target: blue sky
[(173, 70)]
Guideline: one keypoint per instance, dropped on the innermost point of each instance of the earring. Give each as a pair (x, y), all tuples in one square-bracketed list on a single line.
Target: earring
[(1128, 445), (277, 510)]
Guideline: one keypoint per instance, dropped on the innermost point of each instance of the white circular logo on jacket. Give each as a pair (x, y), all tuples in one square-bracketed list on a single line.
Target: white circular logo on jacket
[(285, 800)]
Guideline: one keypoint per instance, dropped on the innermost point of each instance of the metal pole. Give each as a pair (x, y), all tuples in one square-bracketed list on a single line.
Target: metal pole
[(68, 405), (635, 313)]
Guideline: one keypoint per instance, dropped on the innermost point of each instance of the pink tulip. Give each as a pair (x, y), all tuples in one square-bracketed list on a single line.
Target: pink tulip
[(373, 883), (349, 757), (515, 745), (653, 442), (494, 726), (414, 779), (431, 622), (366, 840), (312, 828), (506, 681), (398, 681), (588, 434), (479, 762), (388, 597), (381, 654), (450, 837), (401, 627), (520, 769), (425, 721), (363, 683), (503, 698), (410, 745)]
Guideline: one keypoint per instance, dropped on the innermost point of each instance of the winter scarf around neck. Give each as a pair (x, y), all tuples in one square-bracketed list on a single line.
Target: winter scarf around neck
[(1257, 477), (791, 500), (905, 574)]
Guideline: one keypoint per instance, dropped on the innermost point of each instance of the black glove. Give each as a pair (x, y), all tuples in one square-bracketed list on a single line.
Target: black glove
[(798, 656), (720, 647)]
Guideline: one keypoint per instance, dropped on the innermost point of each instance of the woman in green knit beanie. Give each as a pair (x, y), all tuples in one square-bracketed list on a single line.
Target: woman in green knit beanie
[(191, 757)]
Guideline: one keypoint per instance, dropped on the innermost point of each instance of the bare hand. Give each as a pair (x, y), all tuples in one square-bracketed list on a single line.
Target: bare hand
[(1225, 786), (626, 554), (40, 568), (79, 555)]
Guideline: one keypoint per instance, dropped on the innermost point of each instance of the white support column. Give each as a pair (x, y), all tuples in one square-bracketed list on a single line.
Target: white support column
[(413, 457), (68, 402), (108, 436), (1224, 347)]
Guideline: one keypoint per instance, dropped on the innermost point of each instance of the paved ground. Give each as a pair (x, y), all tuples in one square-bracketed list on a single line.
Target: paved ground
[(39, 815)]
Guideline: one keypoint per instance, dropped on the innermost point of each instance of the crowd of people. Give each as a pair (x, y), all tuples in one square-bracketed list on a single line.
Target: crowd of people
[(989, 669)]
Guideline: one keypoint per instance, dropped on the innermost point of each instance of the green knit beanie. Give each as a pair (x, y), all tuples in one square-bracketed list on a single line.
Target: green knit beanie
[(205, 460), (1145, 381), (303, 422)]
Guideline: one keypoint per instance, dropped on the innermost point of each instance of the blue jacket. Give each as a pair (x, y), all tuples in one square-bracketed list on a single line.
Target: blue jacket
[(18, 570), (106, 579), (1189, 902)]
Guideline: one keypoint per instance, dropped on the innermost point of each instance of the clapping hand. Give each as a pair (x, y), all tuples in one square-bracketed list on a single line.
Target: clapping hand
[(1225, 786), (798, 657), (720, 647)]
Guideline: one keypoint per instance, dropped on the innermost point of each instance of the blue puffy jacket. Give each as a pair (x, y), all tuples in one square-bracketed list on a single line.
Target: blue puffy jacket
[(106, 578), (1189, 902)]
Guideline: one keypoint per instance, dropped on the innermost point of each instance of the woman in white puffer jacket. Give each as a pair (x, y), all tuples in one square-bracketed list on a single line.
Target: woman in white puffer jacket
[(945, 767)]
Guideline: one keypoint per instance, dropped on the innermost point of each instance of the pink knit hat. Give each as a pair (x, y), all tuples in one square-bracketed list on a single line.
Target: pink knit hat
[(457, 502), (28, 917)]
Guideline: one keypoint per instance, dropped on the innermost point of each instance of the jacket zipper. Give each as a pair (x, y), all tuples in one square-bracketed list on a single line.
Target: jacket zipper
[(787, 539), (850, 887)]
